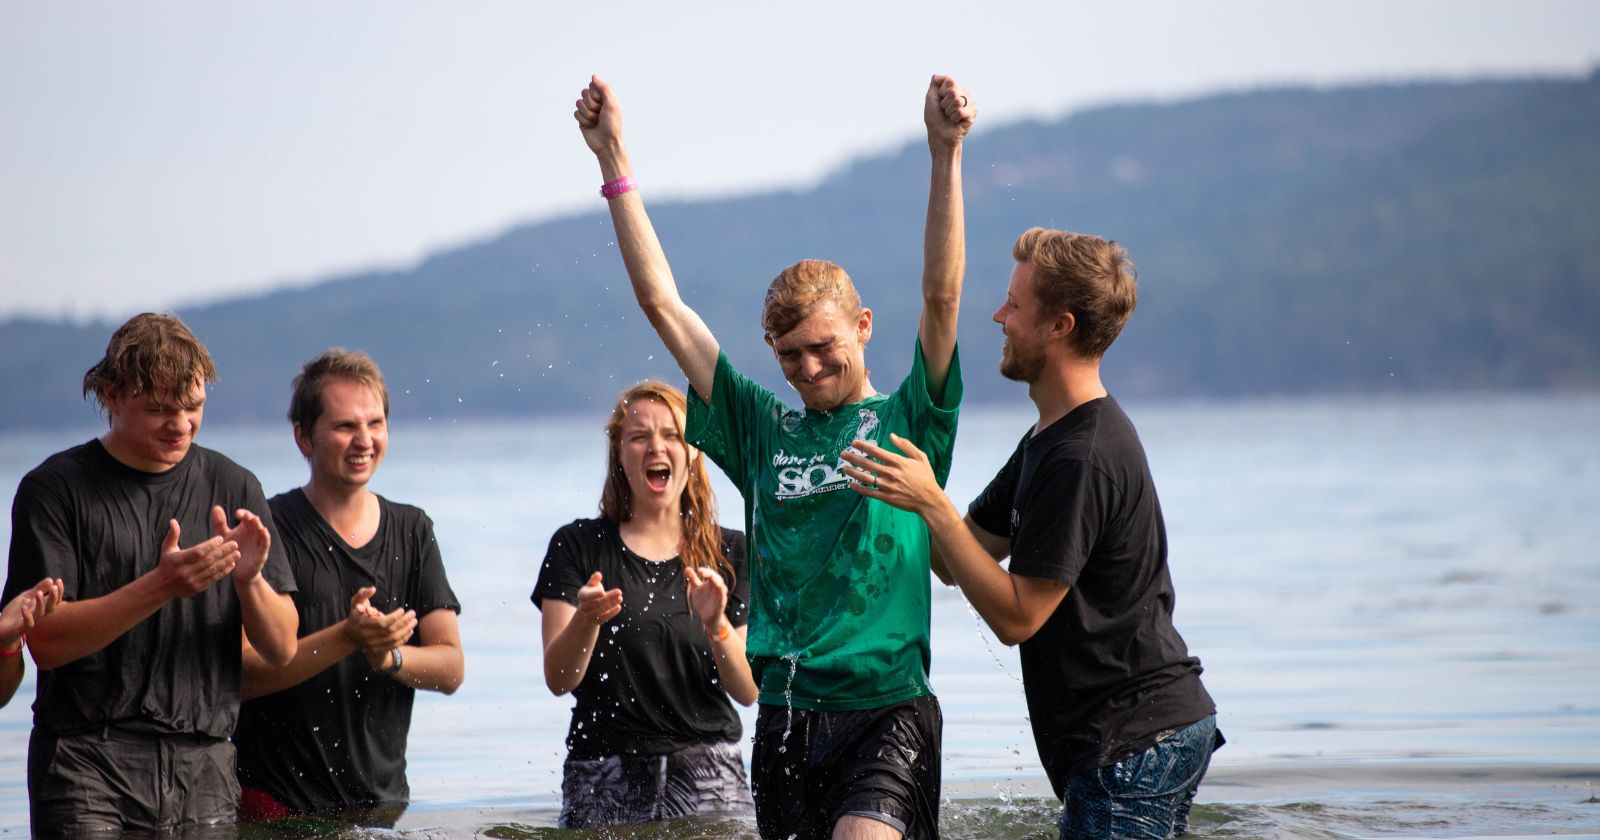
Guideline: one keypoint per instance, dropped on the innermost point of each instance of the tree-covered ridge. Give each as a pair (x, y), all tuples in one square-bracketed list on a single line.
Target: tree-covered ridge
[(1380, 238)]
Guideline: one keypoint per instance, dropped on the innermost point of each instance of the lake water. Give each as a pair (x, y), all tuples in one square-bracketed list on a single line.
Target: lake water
[(1397, 602)]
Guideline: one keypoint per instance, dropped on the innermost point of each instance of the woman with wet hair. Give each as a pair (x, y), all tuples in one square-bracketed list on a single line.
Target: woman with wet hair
[(644, 623)]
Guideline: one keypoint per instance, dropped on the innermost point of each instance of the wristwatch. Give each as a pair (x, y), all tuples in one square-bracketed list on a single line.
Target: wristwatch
[(395, 668)]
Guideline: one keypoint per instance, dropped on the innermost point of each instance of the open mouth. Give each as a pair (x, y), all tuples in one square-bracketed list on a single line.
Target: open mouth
[(658, 476)]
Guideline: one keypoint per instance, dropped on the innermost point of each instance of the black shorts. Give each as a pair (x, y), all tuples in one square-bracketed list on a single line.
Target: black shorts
[(114, 780), (809, 769)]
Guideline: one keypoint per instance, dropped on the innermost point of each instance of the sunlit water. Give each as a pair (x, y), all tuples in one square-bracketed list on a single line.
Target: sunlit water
[(1395, 600)]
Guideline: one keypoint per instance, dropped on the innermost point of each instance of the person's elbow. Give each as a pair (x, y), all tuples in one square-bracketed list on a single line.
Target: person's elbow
[(941, 301), (559, 682), (1017, 629), (454, 676), (47, 651), (279, 651), (745, 696)]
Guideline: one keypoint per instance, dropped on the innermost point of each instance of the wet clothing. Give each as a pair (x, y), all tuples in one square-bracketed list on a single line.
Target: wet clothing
[(812, 768), (651, 687), (1107, 673), (839, 588), (173, 679), (112, 779), (701, 780), (337, 741), (1145, 796)]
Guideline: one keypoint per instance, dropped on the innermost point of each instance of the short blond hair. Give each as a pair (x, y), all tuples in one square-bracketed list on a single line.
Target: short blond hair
[(1088, 276)]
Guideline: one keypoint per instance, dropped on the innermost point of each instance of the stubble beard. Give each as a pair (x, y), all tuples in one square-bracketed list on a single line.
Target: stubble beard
[(1019, 368)]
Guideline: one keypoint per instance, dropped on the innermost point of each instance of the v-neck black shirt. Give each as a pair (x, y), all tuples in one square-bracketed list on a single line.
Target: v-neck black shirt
[(338, 740)]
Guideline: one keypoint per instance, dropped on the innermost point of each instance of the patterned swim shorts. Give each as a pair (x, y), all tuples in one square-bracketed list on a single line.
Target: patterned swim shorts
[(705, 779)]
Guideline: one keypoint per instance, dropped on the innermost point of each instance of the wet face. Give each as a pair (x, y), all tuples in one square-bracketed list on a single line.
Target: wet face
[(654, 456), (1026, 328), (154, 432), (824, 356), (348, 441)]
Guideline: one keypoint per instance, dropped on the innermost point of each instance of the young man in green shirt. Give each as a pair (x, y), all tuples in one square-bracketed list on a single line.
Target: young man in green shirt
[(847, 738)]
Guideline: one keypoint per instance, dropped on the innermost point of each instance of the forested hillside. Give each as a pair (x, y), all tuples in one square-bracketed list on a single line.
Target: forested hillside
[(1383, 238)]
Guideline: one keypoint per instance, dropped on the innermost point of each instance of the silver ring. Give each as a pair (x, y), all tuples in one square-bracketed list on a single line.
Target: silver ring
[(963, 102)]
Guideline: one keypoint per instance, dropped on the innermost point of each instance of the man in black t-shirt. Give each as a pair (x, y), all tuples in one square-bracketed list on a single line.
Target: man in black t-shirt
[(326, 733), (1123, 725), (138, 667)]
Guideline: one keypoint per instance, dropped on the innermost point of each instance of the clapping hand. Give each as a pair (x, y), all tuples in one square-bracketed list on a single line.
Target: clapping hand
[(708, 596), (27, 609), (596, 603)]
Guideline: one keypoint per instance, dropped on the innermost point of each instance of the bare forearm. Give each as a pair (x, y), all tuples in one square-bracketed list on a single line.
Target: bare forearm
[(313, 655), (12, 669), (685, 335), (566, 657), (83, 628), (944, 244), (438, 667), (270, 620), (987, 586), (733, 669), (944, 259)]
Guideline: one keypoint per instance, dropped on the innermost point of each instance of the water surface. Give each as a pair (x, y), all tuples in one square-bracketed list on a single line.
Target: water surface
[(1395, 601)]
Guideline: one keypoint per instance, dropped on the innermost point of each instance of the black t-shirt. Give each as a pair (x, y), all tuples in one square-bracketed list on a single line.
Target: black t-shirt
[(338, 740), (98, 524), (1107, 672), (652, 686)]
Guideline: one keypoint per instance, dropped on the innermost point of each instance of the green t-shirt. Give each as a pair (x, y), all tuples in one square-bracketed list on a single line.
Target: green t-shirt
[(839, 583)]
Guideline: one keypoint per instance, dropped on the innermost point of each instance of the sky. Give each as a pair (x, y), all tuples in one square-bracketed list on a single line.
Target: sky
[(159, 154)]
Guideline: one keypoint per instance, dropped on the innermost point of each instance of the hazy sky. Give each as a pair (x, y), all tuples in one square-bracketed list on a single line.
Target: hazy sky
[(160, 153)]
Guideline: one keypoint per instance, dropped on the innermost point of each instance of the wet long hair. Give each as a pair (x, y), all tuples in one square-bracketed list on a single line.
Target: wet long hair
[(701, 543)]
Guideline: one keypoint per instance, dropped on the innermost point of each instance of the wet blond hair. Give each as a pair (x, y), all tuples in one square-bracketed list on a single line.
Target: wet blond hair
[(800, 288)]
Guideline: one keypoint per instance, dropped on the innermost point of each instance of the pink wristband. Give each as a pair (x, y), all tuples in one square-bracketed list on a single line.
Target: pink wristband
[(612, 189), (21, 643)]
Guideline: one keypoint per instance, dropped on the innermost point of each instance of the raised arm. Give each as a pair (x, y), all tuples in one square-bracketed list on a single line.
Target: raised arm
[(948, 112), (686, 336)]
